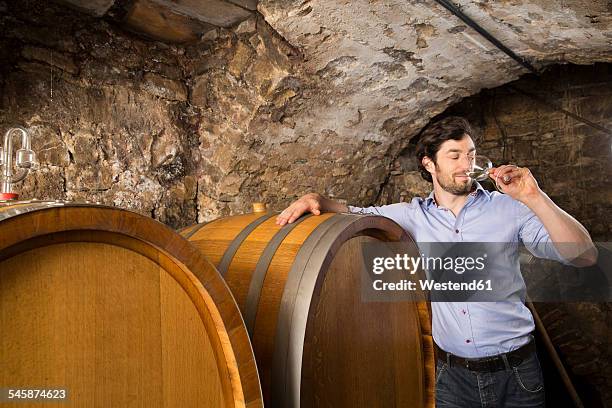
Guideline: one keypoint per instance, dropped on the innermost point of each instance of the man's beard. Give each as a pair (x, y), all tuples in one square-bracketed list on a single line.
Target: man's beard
[(448, 184)]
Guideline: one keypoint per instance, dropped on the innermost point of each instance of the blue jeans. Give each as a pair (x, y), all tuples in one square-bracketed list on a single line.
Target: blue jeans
[(518, 387)]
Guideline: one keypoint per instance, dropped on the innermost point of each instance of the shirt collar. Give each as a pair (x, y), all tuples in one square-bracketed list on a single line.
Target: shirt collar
[(477, 190)]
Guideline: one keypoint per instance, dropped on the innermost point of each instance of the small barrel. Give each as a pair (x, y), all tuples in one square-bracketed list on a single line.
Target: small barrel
[(117, 310), (317, 344)]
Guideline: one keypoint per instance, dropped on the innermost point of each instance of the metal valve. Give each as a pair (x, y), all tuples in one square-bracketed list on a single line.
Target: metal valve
[(25, 160)]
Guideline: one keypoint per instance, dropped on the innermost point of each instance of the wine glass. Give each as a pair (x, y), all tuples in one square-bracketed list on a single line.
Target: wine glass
[(480, 168)]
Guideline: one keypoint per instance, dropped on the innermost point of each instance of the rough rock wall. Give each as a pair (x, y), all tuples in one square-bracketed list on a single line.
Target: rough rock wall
[(126, 121), (244, 76), (329, 102), (106, 111), (380, 70), (307, 96)]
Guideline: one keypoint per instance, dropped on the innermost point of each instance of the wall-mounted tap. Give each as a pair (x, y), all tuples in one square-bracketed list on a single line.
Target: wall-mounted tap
[(25, 160)]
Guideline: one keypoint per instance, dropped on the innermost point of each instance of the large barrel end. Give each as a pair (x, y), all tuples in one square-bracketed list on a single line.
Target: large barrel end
[(118, 310)]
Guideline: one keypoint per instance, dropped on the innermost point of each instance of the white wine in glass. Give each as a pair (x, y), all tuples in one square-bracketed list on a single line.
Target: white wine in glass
[(480, 168)]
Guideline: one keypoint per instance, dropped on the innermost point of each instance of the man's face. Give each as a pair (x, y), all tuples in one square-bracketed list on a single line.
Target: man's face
[(453, 160)]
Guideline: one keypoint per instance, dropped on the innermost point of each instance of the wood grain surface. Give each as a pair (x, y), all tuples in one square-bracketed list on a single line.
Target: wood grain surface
[(119, 310)]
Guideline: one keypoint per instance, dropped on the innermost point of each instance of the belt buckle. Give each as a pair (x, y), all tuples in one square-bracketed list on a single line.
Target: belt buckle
[(467, 364)]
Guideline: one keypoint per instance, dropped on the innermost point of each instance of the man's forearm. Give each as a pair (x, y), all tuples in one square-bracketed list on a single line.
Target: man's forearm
[(571, 239), (314, 203)]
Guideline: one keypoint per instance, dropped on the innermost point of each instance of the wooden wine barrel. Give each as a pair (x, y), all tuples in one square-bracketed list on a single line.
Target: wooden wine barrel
[(117, 309), (317, 344)]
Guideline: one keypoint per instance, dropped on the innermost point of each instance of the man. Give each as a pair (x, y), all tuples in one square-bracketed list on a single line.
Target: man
[(486, 354)]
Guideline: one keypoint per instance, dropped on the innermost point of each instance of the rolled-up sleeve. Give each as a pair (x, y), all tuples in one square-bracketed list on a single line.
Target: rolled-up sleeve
[(535, 237)]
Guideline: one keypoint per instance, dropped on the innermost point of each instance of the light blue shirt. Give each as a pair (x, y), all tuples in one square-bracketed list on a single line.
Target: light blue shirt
[(476, 329)]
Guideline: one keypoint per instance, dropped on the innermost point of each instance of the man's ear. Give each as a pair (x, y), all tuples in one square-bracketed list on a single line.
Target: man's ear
[(429, 165)]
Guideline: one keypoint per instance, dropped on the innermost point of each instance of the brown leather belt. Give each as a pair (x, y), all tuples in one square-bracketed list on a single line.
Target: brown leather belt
[(488, 364)]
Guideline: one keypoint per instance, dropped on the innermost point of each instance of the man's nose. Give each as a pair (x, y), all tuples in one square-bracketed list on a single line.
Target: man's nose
[(466, 161)]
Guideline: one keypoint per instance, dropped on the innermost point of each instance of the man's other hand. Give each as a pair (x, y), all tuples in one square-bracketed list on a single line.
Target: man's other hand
[(308, 203)]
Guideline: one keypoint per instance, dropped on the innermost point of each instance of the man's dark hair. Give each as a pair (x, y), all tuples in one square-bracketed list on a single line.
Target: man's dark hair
[(449, 128)]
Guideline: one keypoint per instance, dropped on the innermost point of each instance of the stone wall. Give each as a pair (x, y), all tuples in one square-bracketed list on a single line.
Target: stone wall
[(375, 73), (193, 132), (105, 109), (139, 124)]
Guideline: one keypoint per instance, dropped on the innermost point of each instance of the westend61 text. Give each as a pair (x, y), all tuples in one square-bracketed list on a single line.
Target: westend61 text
[(432, 285)]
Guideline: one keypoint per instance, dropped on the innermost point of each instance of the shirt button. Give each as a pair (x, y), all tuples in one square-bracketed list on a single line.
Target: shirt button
[(457, 231)]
